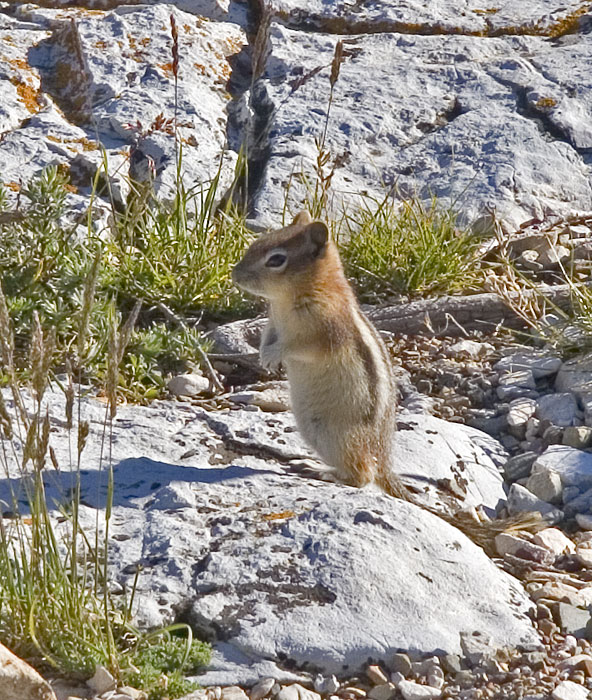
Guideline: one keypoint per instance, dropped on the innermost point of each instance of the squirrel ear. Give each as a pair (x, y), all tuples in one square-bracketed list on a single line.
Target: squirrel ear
[(318, 235), (302, 218)]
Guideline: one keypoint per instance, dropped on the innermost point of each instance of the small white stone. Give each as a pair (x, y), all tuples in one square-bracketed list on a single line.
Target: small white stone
[(262, 688), (584, 556), (520, 411), (384, 691), (472, 348), (376, 675), (555, 541), (233, 692), (545, 484), (188, 385), (102, 681), (568, 690), (516, 546), (436, 677), (413, 691), (288, 692)]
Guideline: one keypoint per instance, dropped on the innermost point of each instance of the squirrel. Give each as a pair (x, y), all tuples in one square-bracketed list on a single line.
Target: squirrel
[(342, 389)]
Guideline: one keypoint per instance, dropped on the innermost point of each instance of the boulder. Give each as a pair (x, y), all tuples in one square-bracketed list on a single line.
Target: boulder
[(281, 572), (75, 97), (466, 119)]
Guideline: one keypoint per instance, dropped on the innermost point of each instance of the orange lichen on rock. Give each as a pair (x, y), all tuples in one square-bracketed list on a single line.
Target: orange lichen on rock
[(28, 95), (14, 186)]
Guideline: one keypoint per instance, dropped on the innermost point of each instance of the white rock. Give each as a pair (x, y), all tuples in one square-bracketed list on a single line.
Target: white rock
[(376, 675), (384, 691), (558, 409), (574, 466), (188, 385), (435, 677), (429, 450), (135, 83), (101, 681), (519, 547), (18, 681), (288, 692), (521, 500), (273, 399), (432, 114), (286, 548), (262, 688), (519, 377), (233, 692), (326, 685), (568, 690), (540, 364), (554, 540), (472, 348), (545, 483), (411, 690), (393, 15), (575, 376), (584, 521), (521, 410), (584, 556), (297, 692)]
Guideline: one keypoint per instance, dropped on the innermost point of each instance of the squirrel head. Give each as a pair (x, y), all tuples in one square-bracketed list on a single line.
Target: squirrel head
[(281, 262)]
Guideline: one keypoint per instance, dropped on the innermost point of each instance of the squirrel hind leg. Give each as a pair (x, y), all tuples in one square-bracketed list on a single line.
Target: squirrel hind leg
[(358, 467)]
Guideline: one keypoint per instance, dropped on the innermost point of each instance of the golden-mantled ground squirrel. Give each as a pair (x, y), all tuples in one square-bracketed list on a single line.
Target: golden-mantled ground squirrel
[(341, 385)]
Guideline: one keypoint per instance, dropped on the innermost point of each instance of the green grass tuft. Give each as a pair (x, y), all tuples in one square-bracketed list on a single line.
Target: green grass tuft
[(408, 248)]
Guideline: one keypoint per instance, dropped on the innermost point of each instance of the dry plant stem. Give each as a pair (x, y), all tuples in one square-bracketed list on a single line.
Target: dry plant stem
[(7, 346), (215, 383), (175, 49)]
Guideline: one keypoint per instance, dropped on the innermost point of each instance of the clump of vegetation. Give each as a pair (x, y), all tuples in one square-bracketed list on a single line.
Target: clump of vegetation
[(180, 256), (173, 258), (56, 605), (408, 248), (161, 667)]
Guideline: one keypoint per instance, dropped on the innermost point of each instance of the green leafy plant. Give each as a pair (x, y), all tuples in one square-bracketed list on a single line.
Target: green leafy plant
[(409, 248), (174, 258), (180, 255)]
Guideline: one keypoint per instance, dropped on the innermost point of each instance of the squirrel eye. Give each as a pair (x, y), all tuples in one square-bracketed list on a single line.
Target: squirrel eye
[(276, 260)]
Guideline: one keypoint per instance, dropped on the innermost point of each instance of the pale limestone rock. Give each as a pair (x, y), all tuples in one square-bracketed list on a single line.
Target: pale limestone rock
[(102, 681), (262, 688), (545, 484), (568, 690), (233, 692), (376, 675), (410, 690), (555, 541), (19, 681), (519, 547), (188, 385)]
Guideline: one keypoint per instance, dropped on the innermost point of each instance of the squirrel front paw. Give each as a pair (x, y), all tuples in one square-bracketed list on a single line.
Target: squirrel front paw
[(270, 357)]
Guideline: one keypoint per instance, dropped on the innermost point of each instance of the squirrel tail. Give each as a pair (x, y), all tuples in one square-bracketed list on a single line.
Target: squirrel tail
[(482, 533)]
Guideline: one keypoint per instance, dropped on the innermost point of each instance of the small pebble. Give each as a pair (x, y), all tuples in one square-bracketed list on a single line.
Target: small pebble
[(376, 675), (262, 688), (102, 681)]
